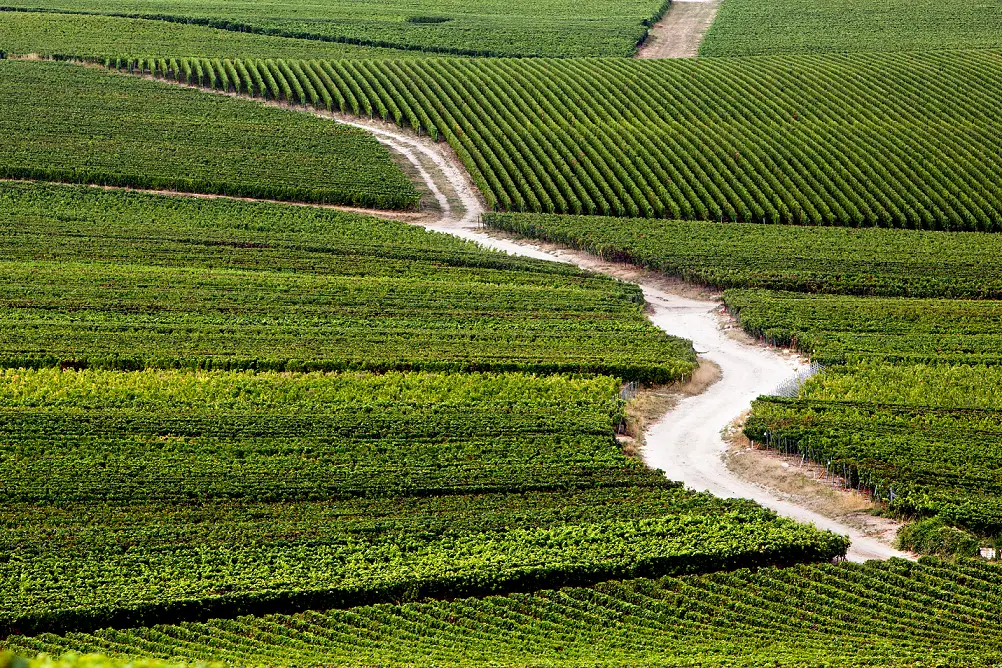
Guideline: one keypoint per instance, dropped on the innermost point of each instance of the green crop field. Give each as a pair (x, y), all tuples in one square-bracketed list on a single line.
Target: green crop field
[(785, 140), (127, 280), (215, 493), (783, 257), (911, 411), (747, 27), (59, 34), (61, 122), (838, 329), (494, 27), (268, 396), (848, 615)]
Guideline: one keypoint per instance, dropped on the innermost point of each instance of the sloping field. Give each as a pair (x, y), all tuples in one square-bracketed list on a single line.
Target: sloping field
[(129, 281), (487, 28), (748, 27), (886, 614), (166, 496), (783, 257), (910, 411), (61, 122), (839, 329), (165, 493), (60, 34), (892, 140)]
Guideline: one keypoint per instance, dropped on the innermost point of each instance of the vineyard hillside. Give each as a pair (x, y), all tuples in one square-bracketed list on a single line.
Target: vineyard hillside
[(893, 614), (124, 281), (489, 28), (768, 140), (833, 260), (434, 333), (747, 27), (58, 34), (62, 122)]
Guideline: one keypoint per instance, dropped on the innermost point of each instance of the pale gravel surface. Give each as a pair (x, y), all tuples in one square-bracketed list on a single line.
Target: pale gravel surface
[(680, 31), (687, 443)]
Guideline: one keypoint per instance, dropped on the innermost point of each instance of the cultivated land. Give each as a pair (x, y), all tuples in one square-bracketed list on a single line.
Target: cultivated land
[(490, 28), (779, 140), (211, 494), (261, 433), (906, 410), (747, 27), (130, 281), (60, 34), (61, 122), (834, 260), (888, 614)]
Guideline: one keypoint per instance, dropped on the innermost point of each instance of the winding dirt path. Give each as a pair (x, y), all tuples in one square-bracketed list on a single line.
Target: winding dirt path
[(680, 32), (687, 443)]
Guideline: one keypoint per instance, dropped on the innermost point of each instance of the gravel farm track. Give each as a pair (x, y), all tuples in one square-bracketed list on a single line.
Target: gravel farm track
[(687, 443), (680, 31)]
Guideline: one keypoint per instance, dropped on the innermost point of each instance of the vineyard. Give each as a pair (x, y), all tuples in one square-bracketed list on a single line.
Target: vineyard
[(886, 614), (835, 260), (60, 34), (834, 329), (125, 280), (220, 493), (780, 140), (746, 27), (923, 461), (56, 124), (910, 411), (490, 28), (250, 416)]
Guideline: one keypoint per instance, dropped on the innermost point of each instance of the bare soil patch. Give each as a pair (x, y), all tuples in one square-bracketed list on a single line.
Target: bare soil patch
[(652, 403), (680, 32)]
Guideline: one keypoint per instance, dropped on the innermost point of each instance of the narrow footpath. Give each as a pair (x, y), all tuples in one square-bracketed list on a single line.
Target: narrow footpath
[(687, 443)]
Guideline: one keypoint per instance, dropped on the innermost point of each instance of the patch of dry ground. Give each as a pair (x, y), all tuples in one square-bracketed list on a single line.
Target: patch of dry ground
[(651, 403), (680, 32)]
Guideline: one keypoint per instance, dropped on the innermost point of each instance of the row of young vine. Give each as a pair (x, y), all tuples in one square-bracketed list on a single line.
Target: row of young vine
[(899, 140)]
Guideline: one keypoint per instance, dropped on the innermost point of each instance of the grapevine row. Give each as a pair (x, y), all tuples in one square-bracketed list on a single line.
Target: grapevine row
[(156, 496), (898, 140), (228, 285), (896, 613)]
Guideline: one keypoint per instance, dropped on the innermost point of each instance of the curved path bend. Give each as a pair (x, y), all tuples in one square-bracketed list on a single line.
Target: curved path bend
[(687, 443)]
